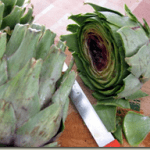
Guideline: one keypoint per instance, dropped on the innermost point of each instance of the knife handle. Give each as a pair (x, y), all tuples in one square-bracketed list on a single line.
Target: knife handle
[(114, 143)]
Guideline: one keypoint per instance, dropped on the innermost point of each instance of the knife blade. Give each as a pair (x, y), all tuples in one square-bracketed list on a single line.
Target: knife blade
[(96, 127)]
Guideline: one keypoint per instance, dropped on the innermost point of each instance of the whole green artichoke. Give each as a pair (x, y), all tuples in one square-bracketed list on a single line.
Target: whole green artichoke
[(112, 55), (13, 12), (32, 104)]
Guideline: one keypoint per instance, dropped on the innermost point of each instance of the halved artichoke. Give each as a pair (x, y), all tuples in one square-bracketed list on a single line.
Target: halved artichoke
[(32, 104), (112, 54)]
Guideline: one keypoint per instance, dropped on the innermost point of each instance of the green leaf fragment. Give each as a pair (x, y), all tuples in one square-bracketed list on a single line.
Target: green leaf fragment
[(136, 127), (118, 134), (108, 116)]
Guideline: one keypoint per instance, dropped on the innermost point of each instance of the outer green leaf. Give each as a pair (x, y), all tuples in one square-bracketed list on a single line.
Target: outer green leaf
[(118, 134), (99, 8), (9, 4), (43, 48), (72, 27), (20, 2), (137, 94), (40, 128), (108, 116), (7, 122), (133, 38), (3, 41), (27, 17), (21, 91), (115, 102), (16, 39), (50, 73), (71, 41), (130, 88), (3, 71), (13, 18), (63, 91), (1, 12), (136, 127), (25, 51), (140, 62)]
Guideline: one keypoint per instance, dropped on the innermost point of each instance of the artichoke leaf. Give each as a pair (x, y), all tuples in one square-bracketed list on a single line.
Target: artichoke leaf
[(7, 122), (38, 27), (13, 18), (50, 73), (27, 17), (129, 88), (16, 39), (136, 127), (99, 8), (25, 51), (140, 62), (79, 19), (40, 128), (72, 27), (43, 47), (123, 103), (71, 41), (63, 91), (3, 71), (21, 89), (54, 144), (8, 6), (3, 41), (108, 116), (118, 134), (133, 38), (20, 2), (1, 12), (137, 94), (61, 45)]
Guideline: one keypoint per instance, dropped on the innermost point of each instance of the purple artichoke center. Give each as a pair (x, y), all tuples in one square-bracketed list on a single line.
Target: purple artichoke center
[(97, 51)]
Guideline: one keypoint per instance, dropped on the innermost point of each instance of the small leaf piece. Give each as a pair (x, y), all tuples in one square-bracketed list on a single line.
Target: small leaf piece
[(136, 127)]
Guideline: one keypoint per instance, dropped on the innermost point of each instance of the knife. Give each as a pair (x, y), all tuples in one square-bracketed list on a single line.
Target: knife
[(96, 127)]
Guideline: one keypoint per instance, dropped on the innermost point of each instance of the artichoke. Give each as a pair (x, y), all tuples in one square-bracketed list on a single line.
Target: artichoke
[(13, 12), (33, 107), (112, 53)]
